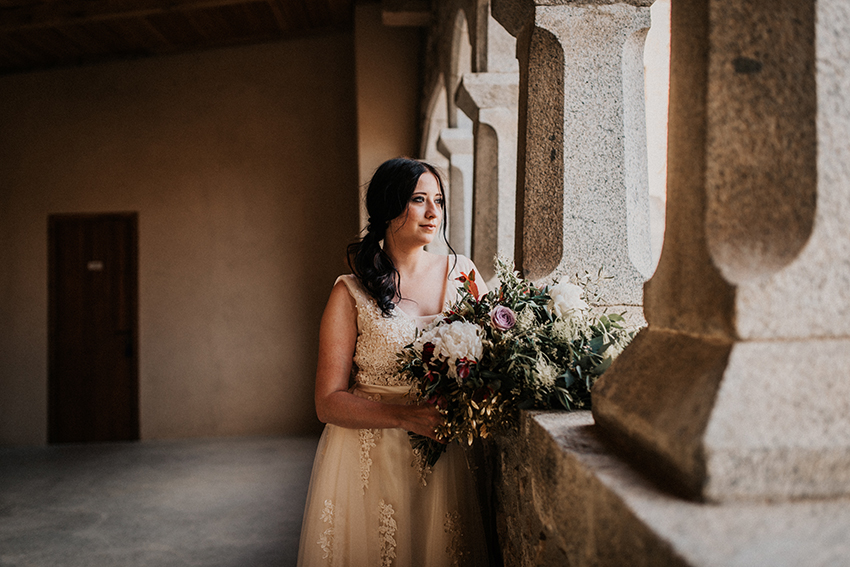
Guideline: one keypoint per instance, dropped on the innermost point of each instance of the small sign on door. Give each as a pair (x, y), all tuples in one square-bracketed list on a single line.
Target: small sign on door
[(95, 266)]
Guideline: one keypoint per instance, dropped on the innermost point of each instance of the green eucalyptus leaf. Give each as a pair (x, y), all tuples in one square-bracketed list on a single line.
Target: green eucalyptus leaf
[(603, 366)]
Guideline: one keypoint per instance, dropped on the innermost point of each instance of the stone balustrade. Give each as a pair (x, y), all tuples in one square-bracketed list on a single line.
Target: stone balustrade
[(740, 386), (455, 144), (582, 141), (490, 100), (721, 436)]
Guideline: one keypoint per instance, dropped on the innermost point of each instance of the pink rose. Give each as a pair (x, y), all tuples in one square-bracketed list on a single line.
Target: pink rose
[(503, 318)]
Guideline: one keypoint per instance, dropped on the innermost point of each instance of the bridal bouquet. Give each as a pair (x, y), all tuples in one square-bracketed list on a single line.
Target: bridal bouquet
[(517, 347)]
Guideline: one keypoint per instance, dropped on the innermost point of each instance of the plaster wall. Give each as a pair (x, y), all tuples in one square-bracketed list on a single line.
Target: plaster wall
[(242, 166), (387, 69)]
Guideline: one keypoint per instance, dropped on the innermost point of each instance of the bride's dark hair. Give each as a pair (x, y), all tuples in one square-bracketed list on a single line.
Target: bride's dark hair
[(387, 198)]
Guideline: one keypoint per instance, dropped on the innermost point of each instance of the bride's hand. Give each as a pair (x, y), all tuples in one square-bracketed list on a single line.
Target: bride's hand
[(422, 419)]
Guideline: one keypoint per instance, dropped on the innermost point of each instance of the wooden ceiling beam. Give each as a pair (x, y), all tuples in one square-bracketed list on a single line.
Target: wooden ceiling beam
[(280, 19), (53, 14)]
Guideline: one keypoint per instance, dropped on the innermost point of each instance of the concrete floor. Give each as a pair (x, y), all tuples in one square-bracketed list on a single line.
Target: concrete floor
[(200, 503)]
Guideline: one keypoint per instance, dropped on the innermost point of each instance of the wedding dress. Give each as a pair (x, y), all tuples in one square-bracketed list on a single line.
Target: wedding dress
[(371, 503)]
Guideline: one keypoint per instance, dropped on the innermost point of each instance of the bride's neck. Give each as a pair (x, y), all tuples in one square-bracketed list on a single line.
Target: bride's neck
[(406, 260)]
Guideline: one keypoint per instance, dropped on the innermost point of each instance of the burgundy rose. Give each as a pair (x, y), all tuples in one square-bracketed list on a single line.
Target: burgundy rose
[(503, 318), (463, 369), (427, 352)]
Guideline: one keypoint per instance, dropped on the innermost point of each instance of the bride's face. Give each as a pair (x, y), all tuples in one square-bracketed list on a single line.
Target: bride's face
[(420, 223)]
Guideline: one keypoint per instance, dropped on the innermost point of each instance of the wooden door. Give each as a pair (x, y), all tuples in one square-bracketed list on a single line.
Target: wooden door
[(93, 344)]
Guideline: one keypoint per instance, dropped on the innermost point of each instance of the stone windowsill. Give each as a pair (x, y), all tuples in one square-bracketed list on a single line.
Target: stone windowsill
[(563, 494)]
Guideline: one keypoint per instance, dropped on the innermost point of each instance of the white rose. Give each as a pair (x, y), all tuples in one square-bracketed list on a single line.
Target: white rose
[(566, 298), (455, 341)]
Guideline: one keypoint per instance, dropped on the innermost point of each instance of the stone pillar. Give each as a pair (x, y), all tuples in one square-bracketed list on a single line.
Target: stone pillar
[(490, 100), (456, 145), (582, 190), (740, 386)]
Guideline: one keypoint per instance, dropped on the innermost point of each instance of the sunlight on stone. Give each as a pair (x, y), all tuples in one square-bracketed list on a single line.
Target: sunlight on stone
[(657, 69)]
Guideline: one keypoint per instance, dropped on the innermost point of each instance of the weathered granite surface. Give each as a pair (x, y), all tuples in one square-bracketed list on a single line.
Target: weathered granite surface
[(456, 144), (810, 295), (740, 387), (582, 141), (490, 100), (565, 498)]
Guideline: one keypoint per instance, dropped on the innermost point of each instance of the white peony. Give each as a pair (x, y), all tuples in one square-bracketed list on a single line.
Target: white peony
[(566, 298), (453, 342)]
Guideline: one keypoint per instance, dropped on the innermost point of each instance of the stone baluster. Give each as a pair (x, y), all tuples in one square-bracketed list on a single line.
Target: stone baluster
[(582, 183), (490, 100), (456, 145), (740, 385)]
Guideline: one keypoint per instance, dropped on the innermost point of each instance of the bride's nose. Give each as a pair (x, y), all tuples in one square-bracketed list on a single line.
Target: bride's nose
[(433, 210)]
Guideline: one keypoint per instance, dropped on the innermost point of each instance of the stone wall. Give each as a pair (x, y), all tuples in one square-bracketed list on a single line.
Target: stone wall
[(720, 435), (565, 497)]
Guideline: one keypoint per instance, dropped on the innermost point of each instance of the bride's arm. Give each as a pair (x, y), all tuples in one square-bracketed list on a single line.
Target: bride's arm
[(334, 403)]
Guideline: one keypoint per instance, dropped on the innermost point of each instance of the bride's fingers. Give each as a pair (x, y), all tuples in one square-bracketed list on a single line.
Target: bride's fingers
[(424, 420)]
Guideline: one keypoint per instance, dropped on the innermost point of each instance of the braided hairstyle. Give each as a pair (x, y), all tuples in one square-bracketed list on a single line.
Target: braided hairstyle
[(387, 198)]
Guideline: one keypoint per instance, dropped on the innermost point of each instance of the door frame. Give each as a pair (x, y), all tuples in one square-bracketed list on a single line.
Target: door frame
[(133, 283)]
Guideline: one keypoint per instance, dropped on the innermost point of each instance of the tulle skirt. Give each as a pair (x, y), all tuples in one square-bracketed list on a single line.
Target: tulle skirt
[(370, 503)]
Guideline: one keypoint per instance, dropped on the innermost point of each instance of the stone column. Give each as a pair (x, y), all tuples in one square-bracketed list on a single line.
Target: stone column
[(456, 145), (740, 386), (582, 188), (490, 100)]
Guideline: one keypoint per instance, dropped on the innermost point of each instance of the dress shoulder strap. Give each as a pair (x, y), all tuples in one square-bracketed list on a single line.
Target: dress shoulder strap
[(354, 288), (361, 297)]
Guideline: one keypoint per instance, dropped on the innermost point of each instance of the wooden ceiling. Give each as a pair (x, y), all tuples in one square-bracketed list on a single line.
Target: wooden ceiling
[(38, 34)]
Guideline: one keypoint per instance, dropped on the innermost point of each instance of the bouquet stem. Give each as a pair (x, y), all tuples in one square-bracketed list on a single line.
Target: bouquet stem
[(426, 448)]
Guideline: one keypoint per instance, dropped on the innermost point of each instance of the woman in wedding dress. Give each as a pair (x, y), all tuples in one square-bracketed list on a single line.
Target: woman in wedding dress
[(371, 502)]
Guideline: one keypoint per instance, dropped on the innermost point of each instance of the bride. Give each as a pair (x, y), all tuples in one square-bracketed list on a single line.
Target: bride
[(371, 502)]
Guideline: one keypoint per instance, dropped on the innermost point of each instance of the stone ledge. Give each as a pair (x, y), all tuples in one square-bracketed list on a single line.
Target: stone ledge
[(565, 498)]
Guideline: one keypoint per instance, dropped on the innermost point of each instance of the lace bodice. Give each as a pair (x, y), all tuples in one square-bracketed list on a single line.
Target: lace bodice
[(380, 339)]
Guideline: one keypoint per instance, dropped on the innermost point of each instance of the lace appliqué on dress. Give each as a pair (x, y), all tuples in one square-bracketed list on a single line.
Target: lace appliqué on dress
[(367, 443), (379, 339), (419, 464), (326, 540), (386, 533), (454, 550)]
